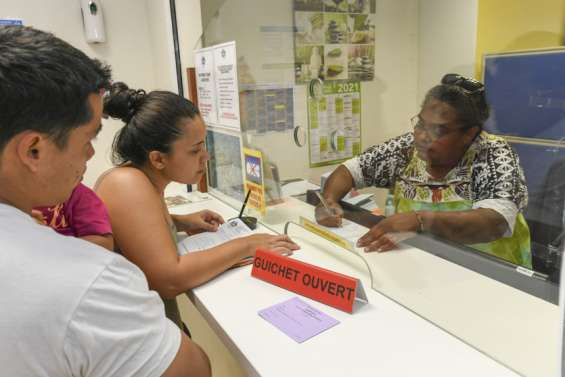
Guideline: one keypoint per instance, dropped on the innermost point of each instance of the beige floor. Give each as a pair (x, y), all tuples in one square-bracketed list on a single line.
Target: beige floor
[(223, 363)]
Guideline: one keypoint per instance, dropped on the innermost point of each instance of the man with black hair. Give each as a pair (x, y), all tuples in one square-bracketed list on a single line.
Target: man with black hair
[(68, 307)]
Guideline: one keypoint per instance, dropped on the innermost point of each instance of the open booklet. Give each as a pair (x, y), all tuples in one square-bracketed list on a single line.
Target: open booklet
[(229, 230)]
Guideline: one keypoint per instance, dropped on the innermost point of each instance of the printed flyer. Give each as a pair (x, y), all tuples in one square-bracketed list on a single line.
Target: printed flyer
[(254, 179), (334, 40), (334, 123)]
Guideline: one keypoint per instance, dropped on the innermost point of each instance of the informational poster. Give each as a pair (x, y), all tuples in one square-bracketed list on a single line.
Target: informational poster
[(267, 109), (217, 86), (206, 85), (225, 172), (334, 40), (254, 181), (334, 123), (227, 90)]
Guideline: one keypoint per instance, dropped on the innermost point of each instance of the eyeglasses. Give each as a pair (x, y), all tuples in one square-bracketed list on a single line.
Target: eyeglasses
[(434, 132), (470, 85)]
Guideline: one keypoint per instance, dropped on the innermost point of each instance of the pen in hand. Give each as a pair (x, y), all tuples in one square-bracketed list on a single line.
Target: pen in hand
[(333, 212), (323, 201)]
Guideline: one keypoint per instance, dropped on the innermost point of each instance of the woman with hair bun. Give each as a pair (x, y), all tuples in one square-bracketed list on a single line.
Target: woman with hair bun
[(448, 177), (162, 142)]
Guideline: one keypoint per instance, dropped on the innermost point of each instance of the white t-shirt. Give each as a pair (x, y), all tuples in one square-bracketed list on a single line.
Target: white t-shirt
[(71, 308)]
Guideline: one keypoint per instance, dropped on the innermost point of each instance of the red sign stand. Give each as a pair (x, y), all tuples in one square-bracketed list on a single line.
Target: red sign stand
[(328, 287)]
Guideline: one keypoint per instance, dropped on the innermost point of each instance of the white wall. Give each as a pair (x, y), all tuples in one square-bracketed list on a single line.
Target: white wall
[(133, 37), (447, 40), (158, 20), (189, 23), (391, 97)]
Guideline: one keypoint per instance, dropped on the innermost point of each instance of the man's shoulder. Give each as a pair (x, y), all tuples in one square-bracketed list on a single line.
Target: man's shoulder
[(43, 270), (77, 302), (86, 262), (52, 258)]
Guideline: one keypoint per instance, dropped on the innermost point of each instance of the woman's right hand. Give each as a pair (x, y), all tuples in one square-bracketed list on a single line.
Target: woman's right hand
[(331, 217), (281, 244)]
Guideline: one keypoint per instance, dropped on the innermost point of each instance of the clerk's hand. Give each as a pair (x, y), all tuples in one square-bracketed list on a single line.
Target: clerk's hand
[(381, 236), (197, 222), (332, 217), (281, 244)]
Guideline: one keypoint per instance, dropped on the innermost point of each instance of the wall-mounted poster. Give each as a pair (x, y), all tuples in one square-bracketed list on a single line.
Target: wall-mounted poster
[(334, 123), (206, 85), (267, 109), (334, 40), (254, 179), (225, 172), (227, 90), (217, 86)]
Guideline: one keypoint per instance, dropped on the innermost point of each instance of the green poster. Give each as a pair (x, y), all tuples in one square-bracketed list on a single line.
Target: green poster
[(334, 123), (334, 40)]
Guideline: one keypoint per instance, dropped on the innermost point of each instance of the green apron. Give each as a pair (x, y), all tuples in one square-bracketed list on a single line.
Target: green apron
[(443, 197)]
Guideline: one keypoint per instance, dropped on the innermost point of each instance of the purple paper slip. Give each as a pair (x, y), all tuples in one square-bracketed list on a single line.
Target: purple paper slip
[(297, 319)]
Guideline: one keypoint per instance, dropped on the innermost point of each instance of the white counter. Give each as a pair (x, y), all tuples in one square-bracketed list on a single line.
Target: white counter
[(383, 338)]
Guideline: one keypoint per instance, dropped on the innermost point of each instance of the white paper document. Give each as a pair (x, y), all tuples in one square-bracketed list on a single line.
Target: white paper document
[(229, 230), (345, 236), (352, 231), (348, 230)]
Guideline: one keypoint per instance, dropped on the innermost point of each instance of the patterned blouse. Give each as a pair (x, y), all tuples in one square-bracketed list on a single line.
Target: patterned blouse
[(489, 174)]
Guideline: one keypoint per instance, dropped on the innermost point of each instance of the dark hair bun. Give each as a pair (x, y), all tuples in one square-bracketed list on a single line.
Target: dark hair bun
[(121, 102), (483, 109)]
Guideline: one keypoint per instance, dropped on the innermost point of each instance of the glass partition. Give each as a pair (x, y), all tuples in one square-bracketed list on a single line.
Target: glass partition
[(478, 195)]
